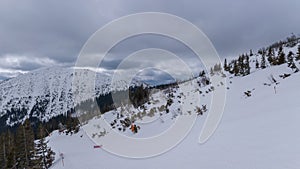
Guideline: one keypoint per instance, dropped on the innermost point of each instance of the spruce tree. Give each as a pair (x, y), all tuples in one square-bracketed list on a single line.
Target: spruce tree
[(241, 65), (10, 149), (271, 56), (281, 56), (225, 65), (45, 156), (247, 65), (298, 53), (235, 68), (263, 62), (251, 52), (290, 60), (3, 157), (25, 146), (256, 64), (211, 71)]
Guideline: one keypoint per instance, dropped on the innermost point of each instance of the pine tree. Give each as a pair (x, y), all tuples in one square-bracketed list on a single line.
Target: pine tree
[(3, 157), (7, 154), (44, 155), (263, 62), (298, 53), (281, 56), (225, 65), (25, 145), (241, 65), (247, 66), (290, 60), (256, 64), (271, 56), (10, 150), (235, 68), (251, 52), (211, 71)]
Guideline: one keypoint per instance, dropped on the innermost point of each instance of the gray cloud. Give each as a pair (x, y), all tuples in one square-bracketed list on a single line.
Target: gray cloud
[(43, 33)]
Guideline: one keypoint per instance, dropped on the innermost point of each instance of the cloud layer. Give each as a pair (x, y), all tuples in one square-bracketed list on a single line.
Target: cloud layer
[(52, 32)]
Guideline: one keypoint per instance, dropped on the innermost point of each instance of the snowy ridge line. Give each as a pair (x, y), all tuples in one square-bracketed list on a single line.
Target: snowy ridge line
[(47, 92)]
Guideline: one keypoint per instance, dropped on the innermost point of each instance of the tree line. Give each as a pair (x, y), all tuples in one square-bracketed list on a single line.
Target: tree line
[(241, 66), (21, 150)]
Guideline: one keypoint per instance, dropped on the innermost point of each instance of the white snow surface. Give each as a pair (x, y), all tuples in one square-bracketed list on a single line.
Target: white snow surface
[(256, 132), (53, 85)]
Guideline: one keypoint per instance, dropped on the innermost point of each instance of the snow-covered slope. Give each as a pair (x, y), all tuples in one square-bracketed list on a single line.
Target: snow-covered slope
[(47, 92), (257, 131)]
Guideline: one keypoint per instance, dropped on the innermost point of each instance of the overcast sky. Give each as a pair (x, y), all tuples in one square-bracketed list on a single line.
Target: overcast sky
[(36, 33)]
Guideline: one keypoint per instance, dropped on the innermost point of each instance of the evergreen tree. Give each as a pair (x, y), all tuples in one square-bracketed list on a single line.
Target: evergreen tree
[(247, 65), (271, 56), (10, 150), (235, 68), (290, 60), (281, 56), (225, 65), (25, 146), (256, 64), (211, 71), (3, 157), (44, 155), (263, 62), (251, 52), (241, 65), (298, 53)]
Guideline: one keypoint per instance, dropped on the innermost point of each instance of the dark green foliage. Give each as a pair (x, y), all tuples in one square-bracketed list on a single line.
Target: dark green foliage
[(217, 68), (44, 154), (246, 66), (25, 146), (138, 95), (7, 150), (251, 52), (235, 68), (281, 56), (256, 64), (226, 68), (20, 151), (271, 56), (211, 71), (72, 125), (298, 53), (290, 60), (291, 41), (262, 51), (263, 62), (241, 66), (3, 158)]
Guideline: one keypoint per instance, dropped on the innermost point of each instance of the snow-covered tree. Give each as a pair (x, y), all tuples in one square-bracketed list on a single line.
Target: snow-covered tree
[(281, 56), (263, 62), (44, 154), (290, 60), (256, 64), (298, 53)]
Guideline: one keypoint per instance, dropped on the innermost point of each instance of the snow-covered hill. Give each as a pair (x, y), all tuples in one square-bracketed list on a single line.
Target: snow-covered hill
[(48, 92), (259, 130)]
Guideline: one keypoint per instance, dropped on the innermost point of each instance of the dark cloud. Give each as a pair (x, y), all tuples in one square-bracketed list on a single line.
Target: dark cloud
[(52, 32)]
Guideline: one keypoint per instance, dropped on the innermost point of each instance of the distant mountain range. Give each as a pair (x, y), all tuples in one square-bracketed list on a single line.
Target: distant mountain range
[(47, 92)]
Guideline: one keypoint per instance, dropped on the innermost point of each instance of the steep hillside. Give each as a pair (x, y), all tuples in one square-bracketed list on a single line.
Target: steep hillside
[(47, 92), (259, 130)]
